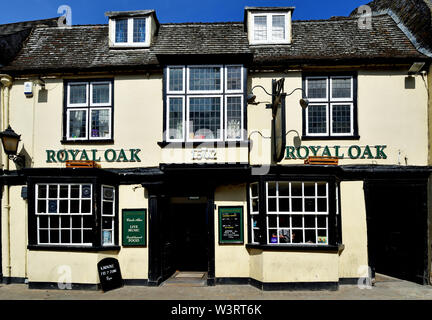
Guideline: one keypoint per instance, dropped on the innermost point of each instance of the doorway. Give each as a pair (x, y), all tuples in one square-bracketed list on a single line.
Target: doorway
[(397, 229), (190, 240)]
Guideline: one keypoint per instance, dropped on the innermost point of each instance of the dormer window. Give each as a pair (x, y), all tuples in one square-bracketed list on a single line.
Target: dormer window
[(132, 29), (269, 25)]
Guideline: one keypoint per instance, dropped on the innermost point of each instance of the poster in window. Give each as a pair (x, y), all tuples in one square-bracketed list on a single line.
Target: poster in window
[(134, 228), (231, 230)]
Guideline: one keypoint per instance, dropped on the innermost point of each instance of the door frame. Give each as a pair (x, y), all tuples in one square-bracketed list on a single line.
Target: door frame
[(156, 237)]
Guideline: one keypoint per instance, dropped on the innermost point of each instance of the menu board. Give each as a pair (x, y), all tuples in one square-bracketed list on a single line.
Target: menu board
[(231, 225), (134, 228), (110, 274)]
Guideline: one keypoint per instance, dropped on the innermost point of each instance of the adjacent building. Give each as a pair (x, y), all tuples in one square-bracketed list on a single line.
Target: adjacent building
[(190, 173)]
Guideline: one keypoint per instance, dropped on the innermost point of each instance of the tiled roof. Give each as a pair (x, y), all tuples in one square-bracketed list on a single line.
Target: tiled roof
[(202, 38), (86, 47), (12, 36), (340, 39)]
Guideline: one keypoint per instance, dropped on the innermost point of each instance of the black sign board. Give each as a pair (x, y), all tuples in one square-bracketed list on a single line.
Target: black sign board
[(109, 274), (231, 225), (279, 121)]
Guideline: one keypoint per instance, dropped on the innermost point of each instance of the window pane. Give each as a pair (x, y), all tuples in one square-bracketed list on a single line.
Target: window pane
[(205, 78), (234, 117), (284, 205), (42, 206), (205, 118), (121, 31), (52, 191), (42, 191), (176, 79), (101, 93), (260, 28), (284, 221), (234, 78), (107, 208), (86, 206), (341, 88), (284, 189), (317, 88), (139, 34), (278, 30), (64, 206), (86, 191), (341, 118), (78, 94), (100, 123), (254, 188), (272, 221), (310, 237), (175, 118), (77, 124), (64, 191), (284, 236), (297, 236), (317, 119), (75, 191), (108, 193)]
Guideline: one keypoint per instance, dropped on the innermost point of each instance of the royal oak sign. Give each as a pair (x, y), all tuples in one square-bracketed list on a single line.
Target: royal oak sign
[(350, 152), (109, 155)]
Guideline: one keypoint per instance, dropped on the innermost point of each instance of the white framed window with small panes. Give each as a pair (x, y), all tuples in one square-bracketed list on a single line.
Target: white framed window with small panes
[(130, 32), (88, 110), (65, 215), (270, 28), (254, 212), (333, 106), (205, 103)]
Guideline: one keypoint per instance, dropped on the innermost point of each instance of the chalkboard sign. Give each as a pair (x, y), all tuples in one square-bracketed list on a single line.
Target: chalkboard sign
[(134, 228), (110, 274), (231, 225)]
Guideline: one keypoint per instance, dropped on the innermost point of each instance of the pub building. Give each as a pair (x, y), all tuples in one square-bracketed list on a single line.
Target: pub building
[(271, 152)]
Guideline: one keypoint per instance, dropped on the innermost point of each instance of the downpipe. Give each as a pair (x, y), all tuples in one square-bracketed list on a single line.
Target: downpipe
[(6, 82)]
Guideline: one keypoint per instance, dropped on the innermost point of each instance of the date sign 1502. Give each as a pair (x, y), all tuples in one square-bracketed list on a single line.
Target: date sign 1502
[(204, 154)]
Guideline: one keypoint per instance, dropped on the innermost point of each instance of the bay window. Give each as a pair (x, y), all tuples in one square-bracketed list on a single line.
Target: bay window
[(67, 214), (88, 110), (293, 213), (205, 103), (332, 111)]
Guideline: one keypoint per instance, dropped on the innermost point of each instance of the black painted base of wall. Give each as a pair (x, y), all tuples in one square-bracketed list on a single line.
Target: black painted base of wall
[(13, 280), (87, 287), (349, 281)]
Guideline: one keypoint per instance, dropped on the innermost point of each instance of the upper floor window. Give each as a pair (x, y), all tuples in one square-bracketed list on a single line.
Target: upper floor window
[(132, 32), (270, 28), (205, 103), (88, 110), (333, 107)]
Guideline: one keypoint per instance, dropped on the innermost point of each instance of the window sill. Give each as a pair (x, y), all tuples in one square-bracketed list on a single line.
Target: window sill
[(297, 248), (72, 248), (75, 142), (183, 145), (311, 138)]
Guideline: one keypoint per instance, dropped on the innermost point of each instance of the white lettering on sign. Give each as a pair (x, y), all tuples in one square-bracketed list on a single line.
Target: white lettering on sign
[(204, 154)]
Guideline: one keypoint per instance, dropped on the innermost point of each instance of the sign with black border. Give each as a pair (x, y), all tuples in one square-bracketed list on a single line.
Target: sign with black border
[(231, 228), (134, 228)]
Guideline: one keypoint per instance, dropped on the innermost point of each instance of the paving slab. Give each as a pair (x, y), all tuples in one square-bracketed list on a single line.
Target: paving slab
[(382, 290)]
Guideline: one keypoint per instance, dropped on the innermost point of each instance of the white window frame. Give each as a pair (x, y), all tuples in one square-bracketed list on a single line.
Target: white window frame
[(82, 229), (73, 105), (169, 91), (168, 119), (351, 98), (269, 16), (207, 92), (106, 104), (226, 117), (221, 119), (68, 123), (253, 213), (226, 79), (112, 216), (327, 119), (326, 99), (316, 214), (351, 117), (90, 123), (130, 42)]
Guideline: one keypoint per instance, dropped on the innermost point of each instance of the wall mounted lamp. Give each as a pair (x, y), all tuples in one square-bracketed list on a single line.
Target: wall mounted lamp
[(251, 98), (10, 141)]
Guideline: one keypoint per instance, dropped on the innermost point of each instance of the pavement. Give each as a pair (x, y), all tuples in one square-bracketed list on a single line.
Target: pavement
[(384, 289)]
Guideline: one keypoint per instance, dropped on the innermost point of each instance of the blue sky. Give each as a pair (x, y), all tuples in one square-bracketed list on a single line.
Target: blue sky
[(92, 11)]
